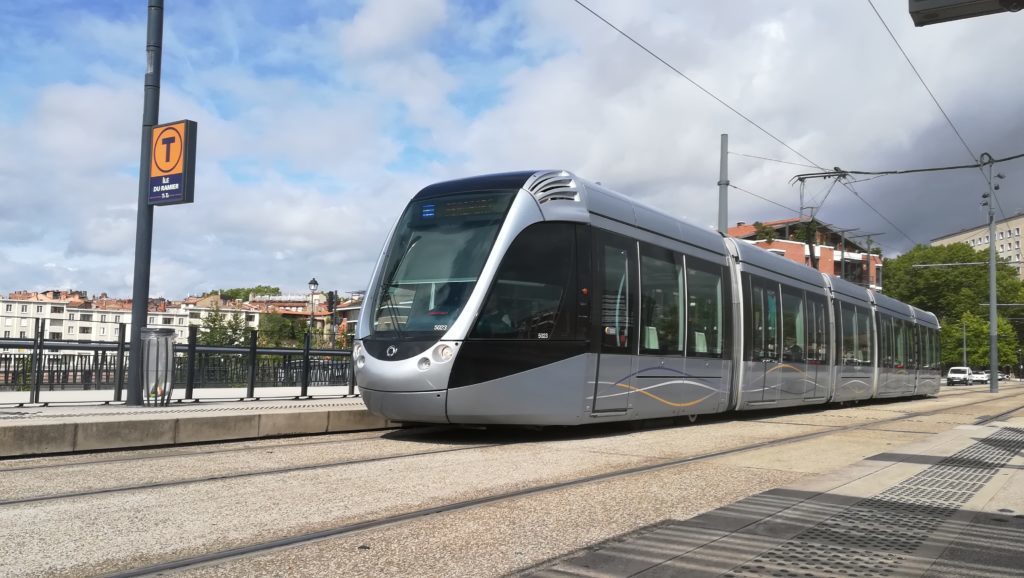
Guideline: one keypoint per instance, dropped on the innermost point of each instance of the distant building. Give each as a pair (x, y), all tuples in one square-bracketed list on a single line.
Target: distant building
[(1007, 240), (72, 316), (836, 254)]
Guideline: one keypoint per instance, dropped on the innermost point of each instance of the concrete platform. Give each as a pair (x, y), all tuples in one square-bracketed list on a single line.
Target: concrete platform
[(951, 505), (38, 430)]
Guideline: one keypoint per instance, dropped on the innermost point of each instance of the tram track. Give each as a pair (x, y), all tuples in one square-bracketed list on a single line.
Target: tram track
[(385, 521), (416, 433)]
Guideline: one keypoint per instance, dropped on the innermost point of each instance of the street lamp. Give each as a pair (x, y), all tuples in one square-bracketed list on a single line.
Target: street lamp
[(312, 289)]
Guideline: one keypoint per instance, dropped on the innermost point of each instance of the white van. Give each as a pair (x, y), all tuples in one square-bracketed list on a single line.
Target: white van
[(959, 375)]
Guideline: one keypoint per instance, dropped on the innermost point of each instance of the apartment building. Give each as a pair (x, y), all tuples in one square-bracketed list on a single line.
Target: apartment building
[(72, 316), (1007, 241)]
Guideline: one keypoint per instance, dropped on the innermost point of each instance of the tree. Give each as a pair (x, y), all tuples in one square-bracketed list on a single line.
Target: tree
[(762, 231), (243, 293), (221, 329), (956, 295), (276, 330)]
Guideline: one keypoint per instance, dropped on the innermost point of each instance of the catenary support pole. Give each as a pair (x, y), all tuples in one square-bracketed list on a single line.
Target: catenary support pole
[(993, 329), (144, 221), (723, 187)]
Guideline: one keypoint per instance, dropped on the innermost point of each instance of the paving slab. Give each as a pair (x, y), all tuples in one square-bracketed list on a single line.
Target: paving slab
[(948, 505)]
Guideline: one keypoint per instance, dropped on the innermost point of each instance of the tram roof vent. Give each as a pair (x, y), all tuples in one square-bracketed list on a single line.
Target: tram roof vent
[(552, 186)]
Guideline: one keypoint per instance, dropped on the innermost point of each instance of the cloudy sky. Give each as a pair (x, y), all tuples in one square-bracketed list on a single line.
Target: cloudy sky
[(319, 119)]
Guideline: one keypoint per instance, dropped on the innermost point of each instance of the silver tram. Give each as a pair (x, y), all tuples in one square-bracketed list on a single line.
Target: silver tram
[(539, 298)]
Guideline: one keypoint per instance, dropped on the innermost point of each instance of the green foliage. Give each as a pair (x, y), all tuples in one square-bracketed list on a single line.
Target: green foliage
[(956, 295), (762, 231), (276, 330), (242, 293), (221, 329)]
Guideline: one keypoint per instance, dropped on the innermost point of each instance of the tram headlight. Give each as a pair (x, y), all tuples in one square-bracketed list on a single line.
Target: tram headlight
[(423, 364), (443, 353), (357, 349), (360, 362)]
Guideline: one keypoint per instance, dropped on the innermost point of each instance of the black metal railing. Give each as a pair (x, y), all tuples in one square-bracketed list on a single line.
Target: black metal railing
[(59, 365)]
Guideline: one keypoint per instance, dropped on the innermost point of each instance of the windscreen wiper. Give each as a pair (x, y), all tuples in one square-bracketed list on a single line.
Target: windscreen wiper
[(389, 299)]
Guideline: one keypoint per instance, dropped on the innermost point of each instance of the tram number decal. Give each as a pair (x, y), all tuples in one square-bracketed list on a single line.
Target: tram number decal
[(440, 328), (542, 336)]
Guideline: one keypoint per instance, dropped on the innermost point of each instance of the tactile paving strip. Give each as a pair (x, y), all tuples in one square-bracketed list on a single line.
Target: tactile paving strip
[(875, 536), (248, 406)]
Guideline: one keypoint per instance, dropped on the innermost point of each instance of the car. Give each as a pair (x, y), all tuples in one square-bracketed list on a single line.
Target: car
[(962, 375), (982, 376)]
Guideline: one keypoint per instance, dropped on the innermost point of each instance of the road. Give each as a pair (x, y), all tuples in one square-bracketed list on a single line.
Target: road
[(428, 502)]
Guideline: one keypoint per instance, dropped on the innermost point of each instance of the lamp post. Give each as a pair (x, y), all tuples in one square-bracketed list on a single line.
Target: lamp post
[(312, 289)]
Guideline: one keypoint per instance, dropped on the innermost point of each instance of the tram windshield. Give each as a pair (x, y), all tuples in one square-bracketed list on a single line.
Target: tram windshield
[(433, 262)]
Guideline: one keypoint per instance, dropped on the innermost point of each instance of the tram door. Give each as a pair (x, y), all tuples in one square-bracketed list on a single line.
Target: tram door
[(616, 268)]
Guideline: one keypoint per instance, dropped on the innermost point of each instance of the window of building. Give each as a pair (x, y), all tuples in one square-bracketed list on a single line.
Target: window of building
[(39, 308), (249, 318), (986, 238), (103, 330), (194, 314), (103, 318), (117, 331), (24, 308), (85, 330), (7, 308), (117, 319), (1000, 234), (70, 329), (55, 335), (181, 321), (151, 319), (56, 309), (71, 316), (86, 317), (7, 333), (22, 335), (1016, 232), (168, 320)]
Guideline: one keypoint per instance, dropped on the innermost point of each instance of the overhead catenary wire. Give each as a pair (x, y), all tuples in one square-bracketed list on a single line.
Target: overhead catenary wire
[(763, 198), (773, 160), (725, 104), (949, 121)]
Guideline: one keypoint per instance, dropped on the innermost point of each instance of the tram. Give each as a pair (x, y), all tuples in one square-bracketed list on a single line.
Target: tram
[(540, 298)]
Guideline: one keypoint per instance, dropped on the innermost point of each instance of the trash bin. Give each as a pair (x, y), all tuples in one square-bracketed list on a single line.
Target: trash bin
[(157, 365)]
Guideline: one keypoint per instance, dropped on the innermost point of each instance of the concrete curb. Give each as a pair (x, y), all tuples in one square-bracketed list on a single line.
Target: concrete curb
[(36, 439)]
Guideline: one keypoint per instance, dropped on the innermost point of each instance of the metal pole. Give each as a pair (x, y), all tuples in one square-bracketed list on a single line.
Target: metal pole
[(144, 221), (120, 362), (190, 363), (842, 257), (305, 366), (250, 392), (965, 341), (723, 187), (993, 333)]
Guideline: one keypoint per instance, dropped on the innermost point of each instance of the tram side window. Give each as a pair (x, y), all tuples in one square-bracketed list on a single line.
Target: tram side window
[(705, 317), (865, 345), (533, 298), (662, 293), (794, 338), (762, 319), (617, 256), (850, 348), (885, 341), (837, 315), (817, 330), (900, 343)]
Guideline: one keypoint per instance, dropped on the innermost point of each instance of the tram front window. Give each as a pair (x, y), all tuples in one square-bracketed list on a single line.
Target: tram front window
[(434, 259)]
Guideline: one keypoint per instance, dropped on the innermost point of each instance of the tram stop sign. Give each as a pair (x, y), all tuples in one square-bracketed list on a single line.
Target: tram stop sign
[(172, 163)]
